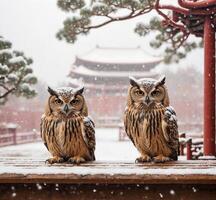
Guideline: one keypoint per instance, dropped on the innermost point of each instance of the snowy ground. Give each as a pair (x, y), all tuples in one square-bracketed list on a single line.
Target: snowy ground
[(108, 148), (113, 158)]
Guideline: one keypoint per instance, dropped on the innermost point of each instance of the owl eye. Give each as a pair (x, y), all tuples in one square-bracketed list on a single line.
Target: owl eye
[(155, 93), (74, 101), (58, 101), (140, 92)]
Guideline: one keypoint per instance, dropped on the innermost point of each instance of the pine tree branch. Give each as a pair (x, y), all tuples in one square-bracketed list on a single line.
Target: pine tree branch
[(7, 93), (131, 15), (4, 86), (11, 89), (174, 30), (181, 40)]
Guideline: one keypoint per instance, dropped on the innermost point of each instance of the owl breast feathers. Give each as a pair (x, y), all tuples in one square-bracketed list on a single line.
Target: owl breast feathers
[(150, 122), (67, 131)]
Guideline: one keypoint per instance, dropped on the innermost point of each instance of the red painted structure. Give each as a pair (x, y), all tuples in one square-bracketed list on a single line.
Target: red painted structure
[(188, 147), (209, 87), (12, 137), (184, 15)]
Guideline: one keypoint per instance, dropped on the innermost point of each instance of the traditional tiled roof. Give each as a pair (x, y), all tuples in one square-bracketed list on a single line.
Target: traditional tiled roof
[(83, 71), (119, 56), (112, 66)]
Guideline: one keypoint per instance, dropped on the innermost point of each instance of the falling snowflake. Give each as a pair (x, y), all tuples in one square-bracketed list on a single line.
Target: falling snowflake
[(146, 187), (161, 195), (194, 189), (39, 187), (172, 192), (13, 194)]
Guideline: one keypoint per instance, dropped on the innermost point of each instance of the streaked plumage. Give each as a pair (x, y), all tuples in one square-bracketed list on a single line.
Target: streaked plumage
[(150, 122), (67, 131)]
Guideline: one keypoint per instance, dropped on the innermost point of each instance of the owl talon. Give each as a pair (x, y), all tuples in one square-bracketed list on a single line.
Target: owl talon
[(54, 160), (161, 159), (142, 159), (76, 160)]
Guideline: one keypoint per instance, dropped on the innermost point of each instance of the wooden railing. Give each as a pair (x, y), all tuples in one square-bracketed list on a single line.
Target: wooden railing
[(108, 122), (192, 147), (13, 138)]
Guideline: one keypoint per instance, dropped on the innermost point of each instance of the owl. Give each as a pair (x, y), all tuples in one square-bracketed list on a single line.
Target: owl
[(150, 122), (66, 130)]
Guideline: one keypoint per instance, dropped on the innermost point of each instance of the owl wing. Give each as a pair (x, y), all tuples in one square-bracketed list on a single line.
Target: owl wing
[(42, 131), (170, 131), (129, 128), (89, 135)]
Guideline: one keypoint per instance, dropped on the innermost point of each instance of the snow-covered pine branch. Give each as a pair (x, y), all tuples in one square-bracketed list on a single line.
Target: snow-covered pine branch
[(171, 33), (16, 74)]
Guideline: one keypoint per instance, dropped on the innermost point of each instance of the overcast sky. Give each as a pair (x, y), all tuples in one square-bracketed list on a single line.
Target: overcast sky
[(31, 26)]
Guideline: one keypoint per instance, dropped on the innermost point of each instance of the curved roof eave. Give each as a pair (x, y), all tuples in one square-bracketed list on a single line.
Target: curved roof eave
[(114, 55), (90, 73), (156, 61)]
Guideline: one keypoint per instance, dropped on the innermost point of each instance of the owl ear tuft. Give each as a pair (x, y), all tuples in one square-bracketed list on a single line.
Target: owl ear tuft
[(80, 90), (51, 91), (133, 81), (161, 81)]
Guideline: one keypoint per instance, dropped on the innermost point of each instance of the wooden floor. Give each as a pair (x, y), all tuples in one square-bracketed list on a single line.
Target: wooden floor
[(24, 175), (17, 166)]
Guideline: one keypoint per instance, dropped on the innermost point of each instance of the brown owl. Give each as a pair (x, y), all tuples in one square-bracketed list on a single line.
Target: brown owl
[(66, 130), (150, 122)]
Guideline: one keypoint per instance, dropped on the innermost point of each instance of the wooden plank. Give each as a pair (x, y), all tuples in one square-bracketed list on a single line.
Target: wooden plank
[(34, 171), (22, 164), (103, 191), (109, 179)]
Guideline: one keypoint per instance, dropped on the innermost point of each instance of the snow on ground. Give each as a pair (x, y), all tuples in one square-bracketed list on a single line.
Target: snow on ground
[(108, 148), (113, 157)]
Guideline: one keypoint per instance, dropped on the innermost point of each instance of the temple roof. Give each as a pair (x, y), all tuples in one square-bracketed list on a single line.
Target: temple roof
[(83, 71), (119, 55), (112, 66)]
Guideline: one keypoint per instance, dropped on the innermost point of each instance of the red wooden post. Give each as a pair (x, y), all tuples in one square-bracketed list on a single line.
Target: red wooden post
[(14, 136), (183, 135), (209, 88), (189, 151)]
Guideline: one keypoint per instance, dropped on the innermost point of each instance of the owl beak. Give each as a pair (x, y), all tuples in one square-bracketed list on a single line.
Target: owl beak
[(147, 100), (66, 109)]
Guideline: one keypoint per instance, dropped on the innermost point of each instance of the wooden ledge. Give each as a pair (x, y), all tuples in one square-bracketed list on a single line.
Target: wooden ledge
[(25, 164), (36, 171)]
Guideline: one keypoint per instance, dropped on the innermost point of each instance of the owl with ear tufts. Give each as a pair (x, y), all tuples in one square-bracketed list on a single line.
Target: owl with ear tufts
[(66, 130), (150, 122)]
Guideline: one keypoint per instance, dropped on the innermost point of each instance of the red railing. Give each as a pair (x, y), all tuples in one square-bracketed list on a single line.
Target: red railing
[(13, 138), (192, 147)]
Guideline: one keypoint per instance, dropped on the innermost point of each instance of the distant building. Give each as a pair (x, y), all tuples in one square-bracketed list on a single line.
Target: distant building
[(104, 73)]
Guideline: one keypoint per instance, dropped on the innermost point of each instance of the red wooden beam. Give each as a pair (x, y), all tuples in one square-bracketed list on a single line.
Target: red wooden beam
[(184, 11), (205, 9), (209, 88), (180, 10), (196, 4)]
